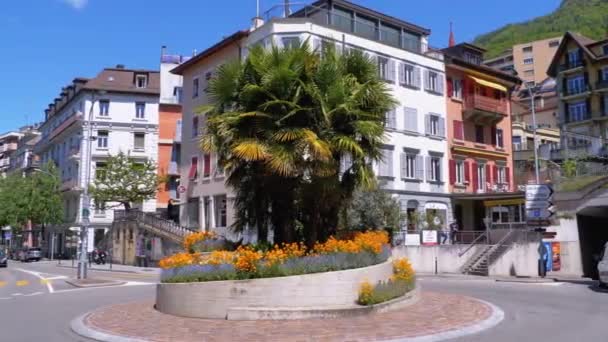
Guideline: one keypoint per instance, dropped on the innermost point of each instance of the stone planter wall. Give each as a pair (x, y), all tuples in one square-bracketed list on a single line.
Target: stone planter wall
[(317, 291)]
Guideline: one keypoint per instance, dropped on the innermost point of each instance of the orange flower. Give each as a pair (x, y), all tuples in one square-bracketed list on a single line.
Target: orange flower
[(179, 260), (193, 238), (247, 259), (220, 257), (403, 270)]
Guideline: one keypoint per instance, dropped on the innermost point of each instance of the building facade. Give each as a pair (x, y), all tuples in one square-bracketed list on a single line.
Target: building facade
[(120, 106), (530, 60), (415, 161), (580, 67), (479, 135), (23, 159), (9, 143)]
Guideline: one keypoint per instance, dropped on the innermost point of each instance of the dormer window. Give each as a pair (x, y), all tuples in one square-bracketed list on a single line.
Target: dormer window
[(141, 81), (472, 58)]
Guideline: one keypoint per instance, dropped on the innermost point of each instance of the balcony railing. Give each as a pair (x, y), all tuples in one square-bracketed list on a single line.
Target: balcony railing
[(571, 65), (576, 91), (486, 104), (577, 118), (603, 84)]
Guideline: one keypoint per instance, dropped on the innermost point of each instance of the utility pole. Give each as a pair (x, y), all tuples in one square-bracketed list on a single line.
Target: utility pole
[(533, 110)]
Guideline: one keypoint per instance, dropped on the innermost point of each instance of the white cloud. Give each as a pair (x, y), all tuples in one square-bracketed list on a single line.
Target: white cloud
[(76, 4)]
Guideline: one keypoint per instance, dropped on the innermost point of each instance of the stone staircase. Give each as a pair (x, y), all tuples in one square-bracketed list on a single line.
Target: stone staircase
[(484, 257), (160, 227)]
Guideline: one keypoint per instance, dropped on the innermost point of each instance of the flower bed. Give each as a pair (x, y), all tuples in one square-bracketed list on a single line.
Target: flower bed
[(363, 250), (403, 281)]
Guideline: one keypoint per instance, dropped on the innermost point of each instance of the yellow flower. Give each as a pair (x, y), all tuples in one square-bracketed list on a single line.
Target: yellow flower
[(193, 238), (403, 270), (220, 257), (366, 291), (179, 260)]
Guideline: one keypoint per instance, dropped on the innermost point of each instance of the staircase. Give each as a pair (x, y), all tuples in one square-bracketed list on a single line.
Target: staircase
[(160, 227), (480, 262)]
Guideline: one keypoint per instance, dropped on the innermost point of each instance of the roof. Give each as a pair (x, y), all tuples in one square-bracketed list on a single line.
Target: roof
[(179, 70), (372, 13), (452, 58), (583, 42), (123, 80)]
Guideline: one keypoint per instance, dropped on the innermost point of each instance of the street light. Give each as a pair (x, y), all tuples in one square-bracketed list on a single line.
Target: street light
[(532, 108)]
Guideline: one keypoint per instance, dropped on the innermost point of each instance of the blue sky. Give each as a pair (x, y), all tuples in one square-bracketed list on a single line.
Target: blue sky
[(46, 43)]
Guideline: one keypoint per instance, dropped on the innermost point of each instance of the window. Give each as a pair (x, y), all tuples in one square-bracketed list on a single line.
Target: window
[(577, 111), (386, 69), (481, 177), (526, 49), (529, 72), (104, 107), (140, 110), (410, 119), (604, 75), (499, 138), (100, 170), (605, 49), (385, 165), (434, 168), (501, 174), (409, 168), (177, 92), (290, 42), (195, 126), (220, 211), (459, 172), (409, 75), (390, 35), (342, 19), (435, 125), (554, 43), (141, 81), (576, 84), (102, 139), (195, 85), (433, 81), (366, 27), (100, 208), (193, 173), (457, 89), (528, 60), (479, 138), (472, 58), (391, 119), (139, 141), (208, 77), (434, 128), (574, 58), (207, 165)]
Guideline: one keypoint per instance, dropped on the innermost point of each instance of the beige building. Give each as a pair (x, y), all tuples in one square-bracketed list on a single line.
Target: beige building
[(529, 60)]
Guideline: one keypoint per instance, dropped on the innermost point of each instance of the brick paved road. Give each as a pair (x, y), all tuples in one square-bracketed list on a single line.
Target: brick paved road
[(435, 312)]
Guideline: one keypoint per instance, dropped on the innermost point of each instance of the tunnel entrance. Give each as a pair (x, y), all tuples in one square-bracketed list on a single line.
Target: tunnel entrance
[(593, 235)]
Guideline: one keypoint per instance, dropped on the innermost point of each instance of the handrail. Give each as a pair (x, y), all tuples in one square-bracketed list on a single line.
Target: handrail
[(474, 242), (152, 220)]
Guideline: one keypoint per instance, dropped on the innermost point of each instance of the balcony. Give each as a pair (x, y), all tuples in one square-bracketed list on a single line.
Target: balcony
[(572, 66), (575, 93), (601, 85), (5, 162), (484, 110), (8, 147), (571, 119), (178, 132)]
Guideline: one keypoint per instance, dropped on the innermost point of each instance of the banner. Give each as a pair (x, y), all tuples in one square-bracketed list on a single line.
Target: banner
[(429, 237), (556, 253), (412, 239)]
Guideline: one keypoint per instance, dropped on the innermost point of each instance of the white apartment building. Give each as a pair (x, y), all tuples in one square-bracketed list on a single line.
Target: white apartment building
[(414, 168), (121, 106)]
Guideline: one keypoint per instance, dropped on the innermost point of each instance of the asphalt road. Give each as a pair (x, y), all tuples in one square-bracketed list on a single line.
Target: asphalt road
[(37, 305)]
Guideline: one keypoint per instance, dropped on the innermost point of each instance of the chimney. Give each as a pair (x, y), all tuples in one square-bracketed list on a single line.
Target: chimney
[(451, 41), (287, 10), (256, 22), (163, 50), (120, 66)]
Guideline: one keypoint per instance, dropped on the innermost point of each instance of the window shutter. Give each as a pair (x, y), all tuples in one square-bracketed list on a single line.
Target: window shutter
[(441, 127), (393, 115), (493, 135), (401, 73), (391, 70), (427, 124), (411, 119), (467, 172), (495, 174), (193, 168), (458, 131), (488, 174), (403, 165), (417, 77), (450, 83), (452, 171), (475, 176), (500, 139), (429, 169), (426, 79), (206, 165), (419, 167), (508, 177), (440, 83)]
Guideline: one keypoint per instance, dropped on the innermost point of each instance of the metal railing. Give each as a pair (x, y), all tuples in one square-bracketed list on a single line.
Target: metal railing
[(483, 235), (571, 65), (152, 220), (601, 84)]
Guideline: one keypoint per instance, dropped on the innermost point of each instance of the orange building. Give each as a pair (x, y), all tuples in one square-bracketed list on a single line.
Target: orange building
[(479, 141)]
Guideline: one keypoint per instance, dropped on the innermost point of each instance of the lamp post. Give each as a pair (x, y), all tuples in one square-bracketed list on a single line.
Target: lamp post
[(533, 110)]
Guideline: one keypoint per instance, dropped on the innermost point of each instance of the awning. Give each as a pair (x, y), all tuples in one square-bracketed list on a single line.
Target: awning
[(495, 203), (489, 84)]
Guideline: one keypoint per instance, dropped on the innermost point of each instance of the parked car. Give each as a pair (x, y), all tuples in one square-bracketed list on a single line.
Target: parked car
[(602, 267), (29, 254), (3, 259)]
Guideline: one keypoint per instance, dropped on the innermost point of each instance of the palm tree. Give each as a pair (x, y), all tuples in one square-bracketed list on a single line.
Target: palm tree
[(281, 122)]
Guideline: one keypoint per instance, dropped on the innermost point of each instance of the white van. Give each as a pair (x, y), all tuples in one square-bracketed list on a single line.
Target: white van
[(602, 267)]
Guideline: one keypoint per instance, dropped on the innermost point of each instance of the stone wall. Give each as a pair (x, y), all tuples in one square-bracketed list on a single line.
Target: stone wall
[(311, 291)]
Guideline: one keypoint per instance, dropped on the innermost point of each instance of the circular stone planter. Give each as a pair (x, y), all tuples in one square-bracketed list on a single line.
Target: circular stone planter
[(301, 296)]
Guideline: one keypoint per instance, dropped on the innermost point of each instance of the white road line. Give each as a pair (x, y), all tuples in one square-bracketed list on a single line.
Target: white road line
[(6, 298), (33, 294), (49, 286), (130, 283), (16, 294)]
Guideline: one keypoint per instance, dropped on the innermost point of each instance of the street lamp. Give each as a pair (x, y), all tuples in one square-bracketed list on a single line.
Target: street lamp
[(533, 109)]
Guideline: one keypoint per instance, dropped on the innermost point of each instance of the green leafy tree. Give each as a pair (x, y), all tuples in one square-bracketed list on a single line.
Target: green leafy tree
[(281, 122), (372, 209), (125, 181)]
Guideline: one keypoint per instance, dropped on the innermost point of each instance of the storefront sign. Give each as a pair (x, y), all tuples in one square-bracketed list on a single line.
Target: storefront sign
[(429, 237), (556, 253), (412, 239)]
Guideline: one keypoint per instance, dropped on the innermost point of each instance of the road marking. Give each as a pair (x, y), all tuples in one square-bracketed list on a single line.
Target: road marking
[(16, 294), (2, 283), (22, 283), (49, 286), (33, 294), (129, 283), (5, 298)]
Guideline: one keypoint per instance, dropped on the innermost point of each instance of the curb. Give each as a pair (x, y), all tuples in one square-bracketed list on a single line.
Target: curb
[(528, 281), (101, 284), (495, 318), (77, 325)]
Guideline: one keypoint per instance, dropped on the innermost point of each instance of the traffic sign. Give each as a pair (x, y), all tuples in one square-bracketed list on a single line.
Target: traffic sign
[(538, 192), (539, 214), (538, 204), (181, 189)]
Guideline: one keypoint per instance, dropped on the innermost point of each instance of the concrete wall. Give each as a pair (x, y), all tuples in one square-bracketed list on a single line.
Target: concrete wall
[(423, 257), (320, 290), (519, 260)]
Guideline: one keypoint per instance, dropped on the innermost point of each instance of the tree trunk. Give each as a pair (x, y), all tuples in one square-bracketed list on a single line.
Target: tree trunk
[(127, 206)]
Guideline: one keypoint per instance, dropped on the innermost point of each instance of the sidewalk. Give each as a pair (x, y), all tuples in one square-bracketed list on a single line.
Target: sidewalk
[(550, 278), (112, 267)]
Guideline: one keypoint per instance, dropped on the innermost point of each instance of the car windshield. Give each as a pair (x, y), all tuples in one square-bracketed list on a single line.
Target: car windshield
[(34, 249), (1, 254)]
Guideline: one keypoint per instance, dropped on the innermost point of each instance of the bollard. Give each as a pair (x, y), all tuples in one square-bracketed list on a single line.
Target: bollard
[(435, 265)]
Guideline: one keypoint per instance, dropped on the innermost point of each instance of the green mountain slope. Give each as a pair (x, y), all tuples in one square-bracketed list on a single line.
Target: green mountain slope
[(587, 17)]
